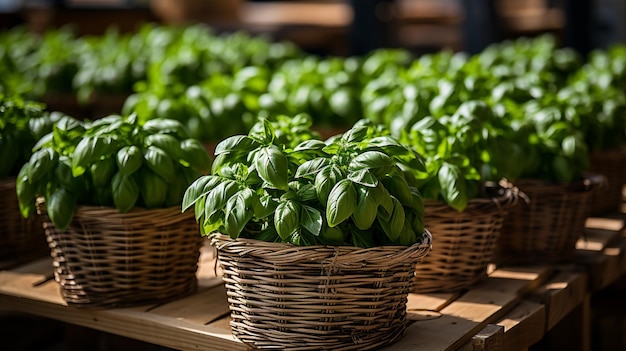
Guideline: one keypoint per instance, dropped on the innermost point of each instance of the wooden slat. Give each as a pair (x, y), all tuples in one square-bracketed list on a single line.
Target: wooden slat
[(523, 326), (604, 267), (561, 295), (165, 331), (203, 307), (491, 338), (472, 311), (425, 306), (605, 223)]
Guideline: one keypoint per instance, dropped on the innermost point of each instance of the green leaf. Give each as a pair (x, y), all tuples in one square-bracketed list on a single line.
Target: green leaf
[(311, 219), (325, 180), (216, 198), (397, 186), (90, 149), (272, 165), (26, 192), (153, 189), (160, 163), (312, 167), (393, 227), (60, 207), (238, 212), (286, 218), (125, 192), (366, 209), (363, 177), (453, 187), (236, 143), (197, 190), (171, 145), (371, 159), (194, 153), (102, 171), (129, 159), (310, 145), (264, 207), (342, 202), (41, 163)]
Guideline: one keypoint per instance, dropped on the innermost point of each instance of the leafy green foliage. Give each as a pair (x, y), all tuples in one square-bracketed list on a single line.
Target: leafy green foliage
[(114, 161), (347, 190), (22, 123)]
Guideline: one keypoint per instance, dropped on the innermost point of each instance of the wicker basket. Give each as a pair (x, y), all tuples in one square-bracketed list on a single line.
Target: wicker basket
[(21, 239), (106, 258), (466, 241), (611, 164), (545, 229), (317, 297)]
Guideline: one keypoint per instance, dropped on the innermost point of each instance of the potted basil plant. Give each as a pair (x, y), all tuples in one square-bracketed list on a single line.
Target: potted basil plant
[(110, 193), (331, 225)]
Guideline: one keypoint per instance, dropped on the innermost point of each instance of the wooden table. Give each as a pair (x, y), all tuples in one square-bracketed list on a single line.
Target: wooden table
[(514, 308)]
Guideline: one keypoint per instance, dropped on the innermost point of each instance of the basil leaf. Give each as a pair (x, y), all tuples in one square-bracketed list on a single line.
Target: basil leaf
[(125, 192), (41, 163), (238, 143), (60, 207), (90, 149), (160, 163), (312, 167), (453, 187), (341, 203), (129, 159), (325, 180), (286, 218), (363, 177), (271, 164), (238, 212), (194, 153), (311, 219)]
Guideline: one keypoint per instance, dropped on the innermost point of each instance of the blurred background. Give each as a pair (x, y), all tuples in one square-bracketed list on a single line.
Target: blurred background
[(345, 27), (323, 27)]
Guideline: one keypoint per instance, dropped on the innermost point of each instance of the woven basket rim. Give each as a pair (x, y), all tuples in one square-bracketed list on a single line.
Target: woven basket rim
[(427, 241), (587, 182), (41, 202), (510, 197)]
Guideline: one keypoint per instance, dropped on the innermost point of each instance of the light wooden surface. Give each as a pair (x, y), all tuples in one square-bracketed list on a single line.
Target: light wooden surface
[(512, 309)]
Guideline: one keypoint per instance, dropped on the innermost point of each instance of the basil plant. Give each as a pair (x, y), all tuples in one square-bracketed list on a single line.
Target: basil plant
[(348, 190), (115, 162)]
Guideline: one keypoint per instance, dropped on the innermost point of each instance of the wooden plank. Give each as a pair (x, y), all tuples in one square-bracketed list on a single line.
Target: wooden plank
[(427, 306), (473, 311), (561, 295), (604, 267), (524, 325), (605, 223), (152, 328), (222, 323), (203, 307), (30, 285), (596, 240), (491, 338)]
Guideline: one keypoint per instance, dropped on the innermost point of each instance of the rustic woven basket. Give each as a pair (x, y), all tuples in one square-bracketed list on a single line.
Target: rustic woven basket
[(545, 229), (317, 297), (21, 239), (106, 258), (612, 165), (466, 240)]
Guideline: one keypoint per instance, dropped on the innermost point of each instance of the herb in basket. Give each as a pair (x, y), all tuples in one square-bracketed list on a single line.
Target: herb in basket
[(114, 161), (347, 190)]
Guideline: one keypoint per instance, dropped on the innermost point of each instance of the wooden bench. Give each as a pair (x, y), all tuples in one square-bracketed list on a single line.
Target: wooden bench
[(514, 308)]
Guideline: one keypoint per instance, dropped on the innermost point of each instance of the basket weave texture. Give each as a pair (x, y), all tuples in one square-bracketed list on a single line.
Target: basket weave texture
[(546, 228), (612, 165), (466, 241), (106, 258), (21, 238), (317, 297)]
